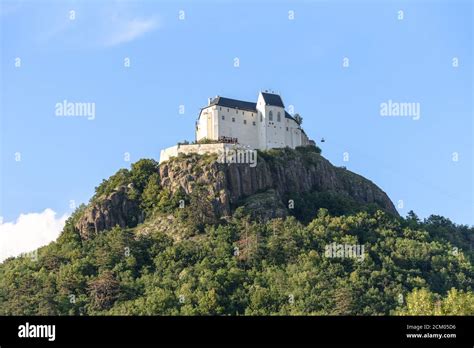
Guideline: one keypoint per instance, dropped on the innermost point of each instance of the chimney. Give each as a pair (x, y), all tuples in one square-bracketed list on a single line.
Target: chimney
[(209, 101)]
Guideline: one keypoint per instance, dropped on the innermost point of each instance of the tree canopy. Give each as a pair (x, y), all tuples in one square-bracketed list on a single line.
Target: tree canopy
[(243, 267)]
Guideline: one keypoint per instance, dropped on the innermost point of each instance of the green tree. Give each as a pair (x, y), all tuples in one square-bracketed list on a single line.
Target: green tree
[(151, 194), (298, 119), (424, 302), (141, 172), (200, 209)]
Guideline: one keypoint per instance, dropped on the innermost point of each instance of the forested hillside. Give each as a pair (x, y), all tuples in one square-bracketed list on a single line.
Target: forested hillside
[(171, 254)]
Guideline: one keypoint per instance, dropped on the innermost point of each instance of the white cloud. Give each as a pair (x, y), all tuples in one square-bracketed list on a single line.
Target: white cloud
[(122, 31), (29, 232)]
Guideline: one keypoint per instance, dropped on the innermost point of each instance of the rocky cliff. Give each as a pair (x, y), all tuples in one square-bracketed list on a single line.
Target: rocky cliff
[(282, 174), (288, 172), (114, 209)]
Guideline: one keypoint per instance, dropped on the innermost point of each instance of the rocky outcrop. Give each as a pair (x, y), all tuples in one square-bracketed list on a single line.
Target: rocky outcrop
[(264, 206), (288, 172), (279, 174), (115, 209)]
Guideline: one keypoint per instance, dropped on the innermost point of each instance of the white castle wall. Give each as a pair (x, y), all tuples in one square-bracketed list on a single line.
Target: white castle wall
[(207, 124), (254, 129), (240, 124), (200, 149)]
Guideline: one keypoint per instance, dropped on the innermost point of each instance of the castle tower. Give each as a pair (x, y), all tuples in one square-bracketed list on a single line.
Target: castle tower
[(271, 125)]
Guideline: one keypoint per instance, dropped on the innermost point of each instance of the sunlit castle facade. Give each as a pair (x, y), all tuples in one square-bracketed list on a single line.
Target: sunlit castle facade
[(261, 125), (229, 123)]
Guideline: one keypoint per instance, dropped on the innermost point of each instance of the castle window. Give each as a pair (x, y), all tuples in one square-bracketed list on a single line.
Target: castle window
[(220, 107), (223, 117), (236, 111), (287, 129), (279, 117), (245, 121), (261, 118), (254, 123), (227, 109), (233, 119), (270, 115)]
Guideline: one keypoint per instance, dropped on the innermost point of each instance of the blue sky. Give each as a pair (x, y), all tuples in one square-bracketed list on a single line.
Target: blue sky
[(177, 62)]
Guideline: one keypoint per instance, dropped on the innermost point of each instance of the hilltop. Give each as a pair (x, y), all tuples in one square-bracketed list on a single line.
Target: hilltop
[(196, 237), (284, 182)]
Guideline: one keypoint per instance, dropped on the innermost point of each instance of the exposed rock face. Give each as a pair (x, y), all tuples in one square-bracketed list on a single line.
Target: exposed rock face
[(265, 206), (289, 173), (114, 209), (282, 175)]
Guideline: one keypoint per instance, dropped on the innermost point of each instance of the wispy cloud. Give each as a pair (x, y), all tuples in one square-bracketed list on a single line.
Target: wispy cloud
[(84, 25), (29, 231), (123, 31)]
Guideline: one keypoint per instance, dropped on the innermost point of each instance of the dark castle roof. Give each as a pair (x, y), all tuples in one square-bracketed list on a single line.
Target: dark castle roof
[(272, 99), (234, 103), (269, 98)]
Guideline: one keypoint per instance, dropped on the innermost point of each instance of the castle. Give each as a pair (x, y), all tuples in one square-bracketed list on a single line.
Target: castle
[(262, 125)]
